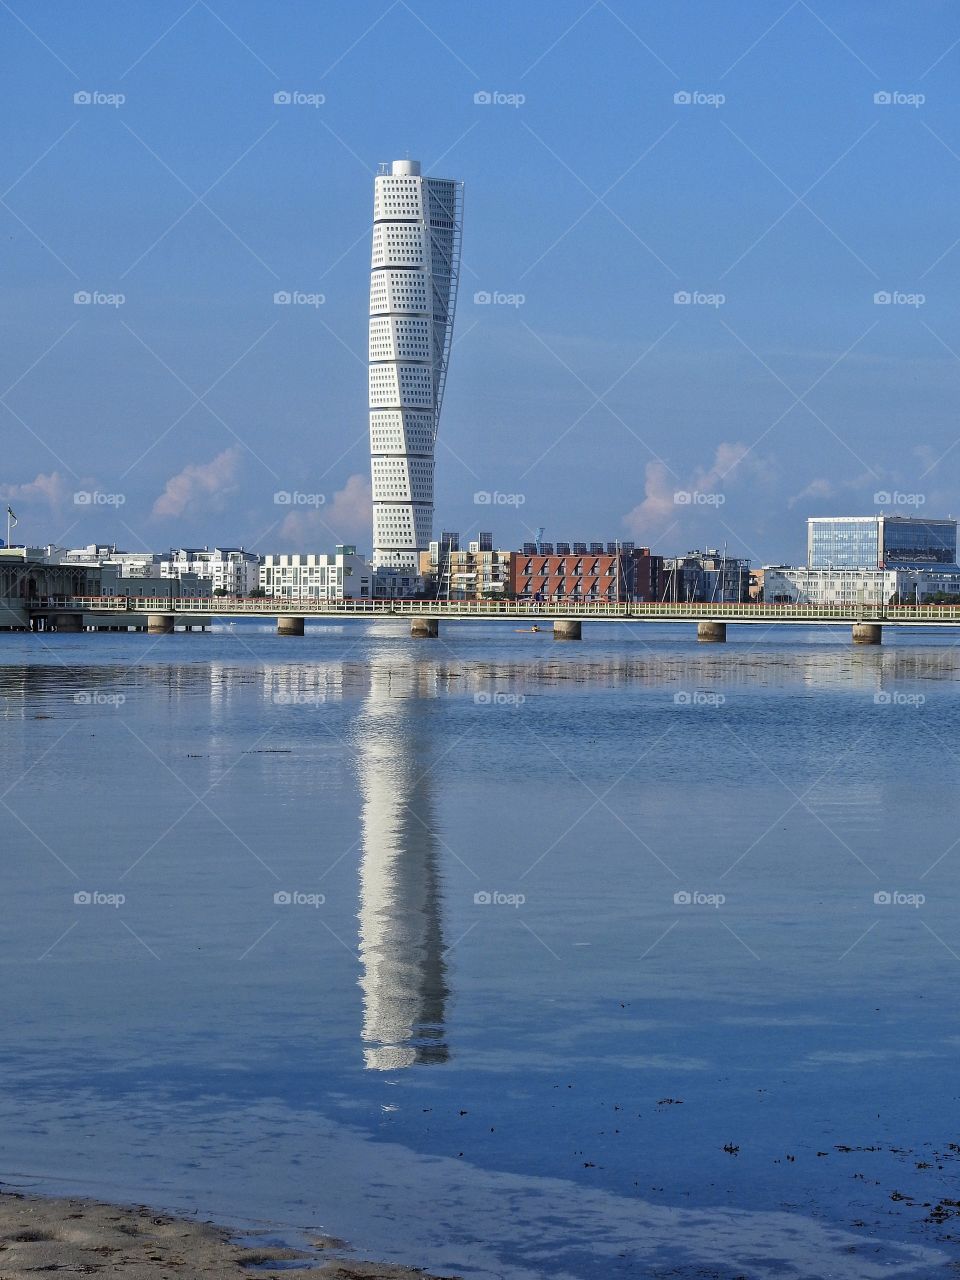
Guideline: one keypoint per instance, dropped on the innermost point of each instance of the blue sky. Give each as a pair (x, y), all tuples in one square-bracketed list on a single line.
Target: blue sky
[(593, 403)]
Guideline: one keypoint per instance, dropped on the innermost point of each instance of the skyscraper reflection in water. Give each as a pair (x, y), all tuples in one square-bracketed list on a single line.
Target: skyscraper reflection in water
[(403, 973)]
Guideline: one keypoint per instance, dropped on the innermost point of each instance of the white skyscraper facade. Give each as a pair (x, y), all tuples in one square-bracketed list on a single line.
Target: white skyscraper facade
[(417, 224)]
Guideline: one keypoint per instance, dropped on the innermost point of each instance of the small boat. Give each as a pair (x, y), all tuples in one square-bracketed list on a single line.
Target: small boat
[(526, 630)]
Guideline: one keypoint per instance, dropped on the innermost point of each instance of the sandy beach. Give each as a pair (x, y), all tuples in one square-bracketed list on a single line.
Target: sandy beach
[(85, 1237)]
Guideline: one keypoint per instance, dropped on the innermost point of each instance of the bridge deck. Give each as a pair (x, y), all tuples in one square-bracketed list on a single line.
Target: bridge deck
[(135, 608)]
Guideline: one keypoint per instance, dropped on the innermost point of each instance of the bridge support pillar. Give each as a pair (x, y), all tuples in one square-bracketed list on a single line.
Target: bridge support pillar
[(425, 628), (68, 621), (287, 626), (867, 632), (567, 629), (160, 624), (712, 632)]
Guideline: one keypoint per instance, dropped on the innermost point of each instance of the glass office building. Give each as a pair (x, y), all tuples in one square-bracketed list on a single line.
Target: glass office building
[(878, 542), (917, 542)]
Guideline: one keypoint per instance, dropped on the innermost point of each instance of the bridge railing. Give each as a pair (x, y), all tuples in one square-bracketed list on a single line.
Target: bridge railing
[(531, 610)]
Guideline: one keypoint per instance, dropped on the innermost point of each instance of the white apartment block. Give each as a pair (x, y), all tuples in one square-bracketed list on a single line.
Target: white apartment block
[(142, 564), (231, 570), (343, 576), (784, 584), (417, 225), (115, 580)]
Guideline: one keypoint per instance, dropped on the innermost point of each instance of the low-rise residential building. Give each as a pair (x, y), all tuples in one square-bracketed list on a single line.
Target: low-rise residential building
[(398, 584), (140, 582), (308, 576), (585, 571), (786, 584), (136, 563), (148, 573), (705, 577), (92, 553), (478, 573), (232, 571)]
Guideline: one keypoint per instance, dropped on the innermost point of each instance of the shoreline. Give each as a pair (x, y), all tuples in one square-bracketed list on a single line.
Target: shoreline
[(84, 1236)]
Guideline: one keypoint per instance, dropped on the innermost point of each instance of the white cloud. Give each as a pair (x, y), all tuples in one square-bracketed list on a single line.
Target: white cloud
[(50, 488), (198, 480), (822, 488), (819, 488), (347, 517), (657, 507), (732, 463)]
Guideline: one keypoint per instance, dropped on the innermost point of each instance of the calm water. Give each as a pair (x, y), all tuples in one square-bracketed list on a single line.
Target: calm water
[(577, 1073)]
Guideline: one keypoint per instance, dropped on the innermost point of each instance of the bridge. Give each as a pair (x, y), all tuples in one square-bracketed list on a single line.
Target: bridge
[(162, 615)]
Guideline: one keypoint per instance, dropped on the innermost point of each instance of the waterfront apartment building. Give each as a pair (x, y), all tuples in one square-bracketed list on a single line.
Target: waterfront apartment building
[(141, 564), (143, 582), (186, 571), (710, 577), (479, 573), (583, 571), (299, 576), (417, 223), (140, 573), (230, 571), (880, 542)]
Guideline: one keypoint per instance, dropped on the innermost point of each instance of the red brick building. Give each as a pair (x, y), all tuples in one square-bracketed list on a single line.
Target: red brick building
[(613, 574)]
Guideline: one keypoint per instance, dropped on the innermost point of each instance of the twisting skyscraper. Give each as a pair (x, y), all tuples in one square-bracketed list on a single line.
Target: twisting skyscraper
[(413, 292)]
